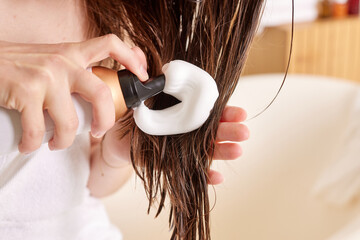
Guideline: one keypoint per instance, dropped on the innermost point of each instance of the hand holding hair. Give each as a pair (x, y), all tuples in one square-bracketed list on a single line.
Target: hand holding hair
[(229, 135), (113, 161), (38, 77)]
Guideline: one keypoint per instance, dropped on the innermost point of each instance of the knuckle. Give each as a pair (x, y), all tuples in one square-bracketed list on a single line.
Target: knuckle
[(34, 90), (22, 94), (111, 39), (35, 87), (41, 75), (44, 81), (102, 92), (81, 75), (70, 125), (12, 101), (34, 134)]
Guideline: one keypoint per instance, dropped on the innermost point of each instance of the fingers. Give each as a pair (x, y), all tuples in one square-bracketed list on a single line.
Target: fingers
[(233, 114), (95, 91), (64, 65), (140, 54), (227, 151), (110, 45), (215, 177), (65, 119), (229, 135), (230, 131), (32, 121), (99, 95)]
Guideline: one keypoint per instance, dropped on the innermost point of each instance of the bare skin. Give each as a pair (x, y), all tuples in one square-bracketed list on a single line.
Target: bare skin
[(39, 71)]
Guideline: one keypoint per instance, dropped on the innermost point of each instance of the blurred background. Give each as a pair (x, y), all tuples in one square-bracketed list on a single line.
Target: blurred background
[(299, 176), (326, 40)]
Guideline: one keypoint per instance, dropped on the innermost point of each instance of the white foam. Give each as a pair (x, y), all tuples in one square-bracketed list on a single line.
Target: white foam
[(196, 90)]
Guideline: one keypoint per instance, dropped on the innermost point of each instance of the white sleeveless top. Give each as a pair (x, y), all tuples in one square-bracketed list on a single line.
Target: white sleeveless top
[(43, 195)]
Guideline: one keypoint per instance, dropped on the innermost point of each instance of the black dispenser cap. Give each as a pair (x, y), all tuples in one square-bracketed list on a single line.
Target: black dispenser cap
[(134, 91)]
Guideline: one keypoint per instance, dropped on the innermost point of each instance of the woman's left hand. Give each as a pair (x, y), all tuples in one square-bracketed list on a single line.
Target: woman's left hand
[(230, 133), (227, 147)]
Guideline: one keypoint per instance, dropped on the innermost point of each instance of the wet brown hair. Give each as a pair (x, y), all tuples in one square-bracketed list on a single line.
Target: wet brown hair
[(212, 34)]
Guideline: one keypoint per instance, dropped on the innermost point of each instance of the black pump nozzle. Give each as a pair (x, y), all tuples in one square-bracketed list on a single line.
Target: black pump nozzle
[(134, 91)]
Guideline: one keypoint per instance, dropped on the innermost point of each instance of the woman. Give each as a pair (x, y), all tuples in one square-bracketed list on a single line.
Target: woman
[(45, 47)]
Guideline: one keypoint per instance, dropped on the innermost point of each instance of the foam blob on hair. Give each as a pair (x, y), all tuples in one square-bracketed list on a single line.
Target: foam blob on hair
[(196, 90)]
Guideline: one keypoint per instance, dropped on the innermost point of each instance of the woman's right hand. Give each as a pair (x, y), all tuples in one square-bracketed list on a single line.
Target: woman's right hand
[(38, 77)]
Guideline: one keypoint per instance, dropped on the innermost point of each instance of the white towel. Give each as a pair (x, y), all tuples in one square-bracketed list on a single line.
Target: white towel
[(340, 183), (44, 196), (349, 232)]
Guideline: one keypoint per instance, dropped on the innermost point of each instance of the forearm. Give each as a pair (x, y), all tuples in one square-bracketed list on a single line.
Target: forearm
[(109, 170)]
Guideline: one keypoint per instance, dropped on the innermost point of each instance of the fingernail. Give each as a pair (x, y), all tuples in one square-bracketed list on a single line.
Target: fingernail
[(25, 153), (247, 135), (51, 145), (144, 72), (98, 134), (22, 152)]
